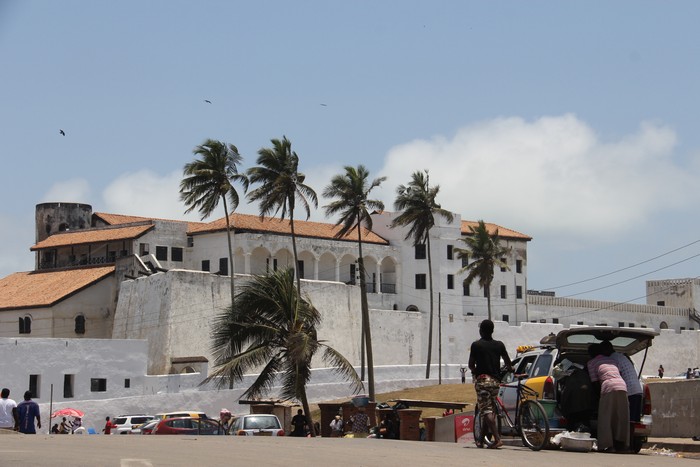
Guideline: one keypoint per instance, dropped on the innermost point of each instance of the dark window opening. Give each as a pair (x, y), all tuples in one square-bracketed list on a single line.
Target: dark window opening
[(519, 266), (661, 303), (450, 281), (465, 260), (420, 251), (579, 323), (68, 386), (190, 242), (205, 265), (127, 383), (223, 266), (465, 289), (505, 318), (34, 385), (162, 253), (450, 252), (503, 266), (98, 384), (353, 274), (503, 291), (420, 281), (176, 254), (25, 325), (300, 266), (80, 324), (518, 291), (486, 292), (620, 324), (143, 249), (555, 320)]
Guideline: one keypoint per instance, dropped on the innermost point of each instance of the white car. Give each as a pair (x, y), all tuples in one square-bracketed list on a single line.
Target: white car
[(257, 425), (125, 424)]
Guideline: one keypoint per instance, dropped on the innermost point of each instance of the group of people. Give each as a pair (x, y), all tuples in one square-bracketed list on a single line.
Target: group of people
[(620, 389), (69, 427), (23, 417)]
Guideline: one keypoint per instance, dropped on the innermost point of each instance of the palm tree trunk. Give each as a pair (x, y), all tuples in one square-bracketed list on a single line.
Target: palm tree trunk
[(230, 246), (365, 317), (307, 411), (488, 299), (430, 323), (294, 249)]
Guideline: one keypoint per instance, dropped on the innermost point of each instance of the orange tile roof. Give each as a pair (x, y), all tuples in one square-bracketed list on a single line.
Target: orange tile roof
[(118, 219), (250, 223), (502, 231), (46, 288), (79, 237)]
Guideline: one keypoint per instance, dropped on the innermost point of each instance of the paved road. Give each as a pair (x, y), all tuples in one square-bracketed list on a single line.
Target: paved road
[(146, 451)]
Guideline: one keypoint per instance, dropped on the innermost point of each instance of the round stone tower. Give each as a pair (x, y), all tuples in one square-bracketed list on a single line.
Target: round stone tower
[(59, 217)]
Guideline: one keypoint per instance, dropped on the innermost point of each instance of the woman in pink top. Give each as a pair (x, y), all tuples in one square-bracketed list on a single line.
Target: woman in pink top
[(613, 408)]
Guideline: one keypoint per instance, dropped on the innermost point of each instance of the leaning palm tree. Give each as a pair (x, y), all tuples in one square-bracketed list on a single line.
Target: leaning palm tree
[(280, 186), (270, 328), (209, 180), (486, 253), (351, 192), (418, 207)]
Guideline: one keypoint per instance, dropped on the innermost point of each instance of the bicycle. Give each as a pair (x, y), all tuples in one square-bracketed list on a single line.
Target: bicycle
[(529, 420)]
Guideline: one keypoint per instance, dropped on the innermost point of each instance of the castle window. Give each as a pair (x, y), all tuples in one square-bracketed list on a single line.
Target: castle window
[(80, 324)]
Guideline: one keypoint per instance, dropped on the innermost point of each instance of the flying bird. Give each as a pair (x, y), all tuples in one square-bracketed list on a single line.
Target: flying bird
[(324, 105), (63, 133), (207, 101)]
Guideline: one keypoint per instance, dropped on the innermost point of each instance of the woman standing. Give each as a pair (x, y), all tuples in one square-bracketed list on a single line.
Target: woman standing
[(613, 407)]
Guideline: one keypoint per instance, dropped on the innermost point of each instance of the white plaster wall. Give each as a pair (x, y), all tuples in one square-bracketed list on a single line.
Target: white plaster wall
[(571, 311), (51, 359)]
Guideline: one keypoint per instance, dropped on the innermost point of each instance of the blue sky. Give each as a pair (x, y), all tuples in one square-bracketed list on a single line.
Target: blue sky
[(573, 122)]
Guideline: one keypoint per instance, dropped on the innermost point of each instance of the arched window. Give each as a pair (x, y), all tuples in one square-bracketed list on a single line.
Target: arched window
[(412, 308), (25, 325), (80, 324), (663, 325)]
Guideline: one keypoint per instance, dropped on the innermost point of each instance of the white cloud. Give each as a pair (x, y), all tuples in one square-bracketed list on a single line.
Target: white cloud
[(551, 175), (145, 193), (75, 190)]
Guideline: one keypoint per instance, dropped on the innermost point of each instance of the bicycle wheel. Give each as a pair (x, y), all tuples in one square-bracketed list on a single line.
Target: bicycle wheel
[(482, 432), (534, 426)]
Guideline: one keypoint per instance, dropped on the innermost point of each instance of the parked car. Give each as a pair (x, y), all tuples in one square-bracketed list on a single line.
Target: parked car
[(187, 426), (147, 428), (569, 390), (181, 413), (257, 425), (125, 424)]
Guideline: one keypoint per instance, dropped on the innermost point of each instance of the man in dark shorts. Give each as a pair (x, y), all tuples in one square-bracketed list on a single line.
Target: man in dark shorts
[(485, 363)]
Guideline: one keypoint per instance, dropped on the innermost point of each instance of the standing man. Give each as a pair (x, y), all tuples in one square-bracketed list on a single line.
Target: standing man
[(298, 422), (27, 411), (485, 364), (8, 411), (629, 374)]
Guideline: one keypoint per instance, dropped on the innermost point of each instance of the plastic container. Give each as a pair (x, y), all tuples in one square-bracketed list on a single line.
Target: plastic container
[(549, 406), (577, 444), (360, 400)]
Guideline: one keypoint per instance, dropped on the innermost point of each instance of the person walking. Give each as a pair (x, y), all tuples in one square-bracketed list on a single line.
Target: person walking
[(8, 411), (661, 371), (108, 427), (27, 412), (485, 364), (360, 423)]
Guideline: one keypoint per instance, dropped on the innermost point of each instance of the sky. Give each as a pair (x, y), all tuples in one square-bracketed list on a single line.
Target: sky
[(572, 122)]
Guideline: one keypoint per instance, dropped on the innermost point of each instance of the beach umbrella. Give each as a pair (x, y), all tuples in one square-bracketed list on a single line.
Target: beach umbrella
[(68, 412)]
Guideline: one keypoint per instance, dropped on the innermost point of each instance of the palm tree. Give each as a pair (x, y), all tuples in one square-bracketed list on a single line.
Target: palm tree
[(270, 328), (281, 185), (486, 252), (351, 192), (209, 180), (418, 207)]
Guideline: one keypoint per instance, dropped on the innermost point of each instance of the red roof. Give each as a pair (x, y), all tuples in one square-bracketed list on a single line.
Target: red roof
[(100, 235), (491, 228), (40, 289)]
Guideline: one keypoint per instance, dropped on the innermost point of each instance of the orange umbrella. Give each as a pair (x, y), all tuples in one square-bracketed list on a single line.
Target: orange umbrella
[(68, 412)]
